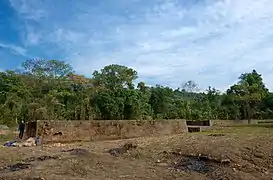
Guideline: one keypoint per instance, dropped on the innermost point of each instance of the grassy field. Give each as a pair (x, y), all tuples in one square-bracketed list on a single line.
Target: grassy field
[(232, 153)]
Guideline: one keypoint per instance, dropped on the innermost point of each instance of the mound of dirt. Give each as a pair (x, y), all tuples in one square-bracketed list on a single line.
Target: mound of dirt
[(41, 158), (77, 151), (121, 150), (16, 167)]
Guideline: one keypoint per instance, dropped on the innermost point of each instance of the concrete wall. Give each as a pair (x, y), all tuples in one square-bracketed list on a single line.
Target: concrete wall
[(225, 123), (266, 121), (106, 129), (120, 129)]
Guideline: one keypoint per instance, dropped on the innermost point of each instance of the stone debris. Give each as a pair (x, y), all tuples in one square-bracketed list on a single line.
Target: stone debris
[(77, 151), (40, 158), (194, 163), (57, 145), (121, 150), (27, 143), (16, 167)]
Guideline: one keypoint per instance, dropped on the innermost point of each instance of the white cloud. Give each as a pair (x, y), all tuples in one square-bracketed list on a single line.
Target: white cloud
[(16, 50), (211, 42), (30, 9)]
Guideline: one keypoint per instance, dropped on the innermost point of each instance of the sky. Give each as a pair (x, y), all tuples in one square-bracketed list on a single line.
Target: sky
[(168, 42)]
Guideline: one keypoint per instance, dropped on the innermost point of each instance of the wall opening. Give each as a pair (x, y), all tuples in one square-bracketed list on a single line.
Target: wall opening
[(31, 129), (198, 123), (194, 129)]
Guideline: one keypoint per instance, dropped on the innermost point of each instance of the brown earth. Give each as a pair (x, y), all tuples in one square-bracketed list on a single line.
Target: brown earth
[(238, 153), (72, 131)]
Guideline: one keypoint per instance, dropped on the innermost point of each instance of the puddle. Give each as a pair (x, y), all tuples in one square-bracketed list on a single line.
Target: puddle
[(16, 167), (77, 151)]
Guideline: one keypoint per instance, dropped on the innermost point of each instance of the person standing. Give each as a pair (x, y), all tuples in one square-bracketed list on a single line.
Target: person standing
[(21, 129)]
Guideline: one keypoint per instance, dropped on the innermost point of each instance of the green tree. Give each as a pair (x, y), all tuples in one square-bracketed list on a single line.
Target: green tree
[(114, 77), (52, 68), (161, 100), (249, 93), (51, 90)]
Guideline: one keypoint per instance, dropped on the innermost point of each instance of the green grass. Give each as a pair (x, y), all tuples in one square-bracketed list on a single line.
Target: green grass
[(6, 137), (243, 129)]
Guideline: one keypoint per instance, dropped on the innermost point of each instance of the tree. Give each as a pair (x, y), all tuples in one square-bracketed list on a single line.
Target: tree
[(109, 105), (51, 90), (249, 93), (51, 68), (190, 86), (141, 86), (115, 76), (160, 100)]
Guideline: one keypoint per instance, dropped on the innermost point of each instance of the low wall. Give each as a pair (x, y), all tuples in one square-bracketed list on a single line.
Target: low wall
[(267, 121), (106, 129), (120, 129), (225, 123)]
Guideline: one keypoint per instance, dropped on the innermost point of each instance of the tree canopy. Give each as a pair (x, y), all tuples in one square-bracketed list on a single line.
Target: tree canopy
[(51, 90)]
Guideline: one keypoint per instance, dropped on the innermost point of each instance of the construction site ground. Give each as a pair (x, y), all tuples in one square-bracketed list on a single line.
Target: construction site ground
[(230, 153)]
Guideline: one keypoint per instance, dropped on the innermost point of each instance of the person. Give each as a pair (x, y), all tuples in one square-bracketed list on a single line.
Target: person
[(21, 129)]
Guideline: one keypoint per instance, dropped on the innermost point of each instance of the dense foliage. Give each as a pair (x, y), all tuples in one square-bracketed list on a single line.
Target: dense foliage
[(51, 90)]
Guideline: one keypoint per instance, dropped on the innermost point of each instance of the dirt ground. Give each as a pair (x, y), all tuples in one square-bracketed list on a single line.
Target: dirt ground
[(238, 153)]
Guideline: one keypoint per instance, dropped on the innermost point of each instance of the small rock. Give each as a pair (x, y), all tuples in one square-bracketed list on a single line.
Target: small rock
[(225, 161), (124, 176), (162, 164), (158, 161), (258, 155), (234, 169), (263, 170)]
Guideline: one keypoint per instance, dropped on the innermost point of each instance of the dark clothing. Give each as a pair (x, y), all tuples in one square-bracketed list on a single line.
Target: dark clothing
[(21, 134), (21, 129)]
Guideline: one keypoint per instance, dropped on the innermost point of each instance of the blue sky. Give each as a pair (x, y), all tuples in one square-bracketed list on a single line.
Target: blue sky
[(167, 41)]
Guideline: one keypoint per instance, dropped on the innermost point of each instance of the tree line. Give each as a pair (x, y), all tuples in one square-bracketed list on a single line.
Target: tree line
[(51, 90)]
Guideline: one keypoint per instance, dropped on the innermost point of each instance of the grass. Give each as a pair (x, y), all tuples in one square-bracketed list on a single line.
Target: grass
[(242, 130), (7, 136)]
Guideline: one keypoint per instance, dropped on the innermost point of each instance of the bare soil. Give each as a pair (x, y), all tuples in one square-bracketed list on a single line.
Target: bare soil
[(238, 153)]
